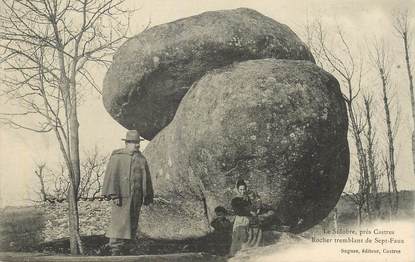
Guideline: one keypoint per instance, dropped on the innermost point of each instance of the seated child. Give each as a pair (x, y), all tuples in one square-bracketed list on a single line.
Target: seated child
[(221, 224), (222, 236)]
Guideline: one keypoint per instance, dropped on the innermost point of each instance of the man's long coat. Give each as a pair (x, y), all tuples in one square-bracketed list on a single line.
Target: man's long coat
[(127, 177)]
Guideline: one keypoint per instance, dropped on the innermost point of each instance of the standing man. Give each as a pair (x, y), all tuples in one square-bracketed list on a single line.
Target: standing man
[(127, 183)]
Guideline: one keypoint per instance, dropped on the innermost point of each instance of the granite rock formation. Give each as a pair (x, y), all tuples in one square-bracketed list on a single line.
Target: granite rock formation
[(279, 124), (152, 71)]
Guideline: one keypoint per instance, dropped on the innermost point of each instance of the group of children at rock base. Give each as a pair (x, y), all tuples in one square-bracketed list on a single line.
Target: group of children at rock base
[(251, 218)]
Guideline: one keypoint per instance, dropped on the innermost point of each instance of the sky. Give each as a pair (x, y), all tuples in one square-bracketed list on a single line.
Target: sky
[(360, 19)]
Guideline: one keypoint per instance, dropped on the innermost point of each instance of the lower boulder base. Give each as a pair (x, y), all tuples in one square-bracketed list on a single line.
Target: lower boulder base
[(279, 124)]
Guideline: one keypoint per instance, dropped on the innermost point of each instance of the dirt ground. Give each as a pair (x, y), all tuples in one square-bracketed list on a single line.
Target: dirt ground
[(181, 257), (97, 246)]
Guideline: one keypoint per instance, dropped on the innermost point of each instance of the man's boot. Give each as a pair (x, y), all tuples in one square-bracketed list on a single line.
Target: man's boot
[(115, 253), (116, 245)]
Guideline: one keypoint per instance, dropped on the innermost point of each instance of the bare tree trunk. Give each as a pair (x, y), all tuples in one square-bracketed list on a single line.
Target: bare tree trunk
[(39, 173), (370, 135), (402, 27), (73, 218), (411, 89), (76, 243), (391, 146), (363, 169), (390, 209)]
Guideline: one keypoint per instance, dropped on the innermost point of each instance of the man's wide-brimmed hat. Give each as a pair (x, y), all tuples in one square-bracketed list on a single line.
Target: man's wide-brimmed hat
[(132, 136)]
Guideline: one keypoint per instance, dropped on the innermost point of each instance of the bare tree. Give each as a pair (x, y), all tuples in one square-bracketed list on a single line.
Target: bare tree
[(389, 195), (367, 201), (402, 27), (92, 170), (311, 29), (349, 68), (382, 63), (54, 183), (375, 156), (40, 174), (48, 47), (61, 183), (371, 151), (354, 195)]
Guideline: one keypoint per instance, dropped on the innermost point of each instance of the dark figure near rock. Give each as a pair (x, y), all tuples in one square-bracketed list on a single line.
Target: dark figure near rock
[(127, 182), (221, 224), (246, 230), (222, 231)]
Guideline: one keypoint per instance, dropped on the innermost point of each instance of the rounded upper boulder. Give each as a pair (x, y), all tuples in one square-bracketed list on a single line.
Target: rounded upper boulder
[(152, 71)]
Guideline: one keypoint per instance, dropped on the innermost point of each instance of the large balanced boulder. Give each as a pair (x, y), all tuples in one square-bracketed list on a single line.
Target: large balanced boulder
[(279, 124), (152, 71)]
